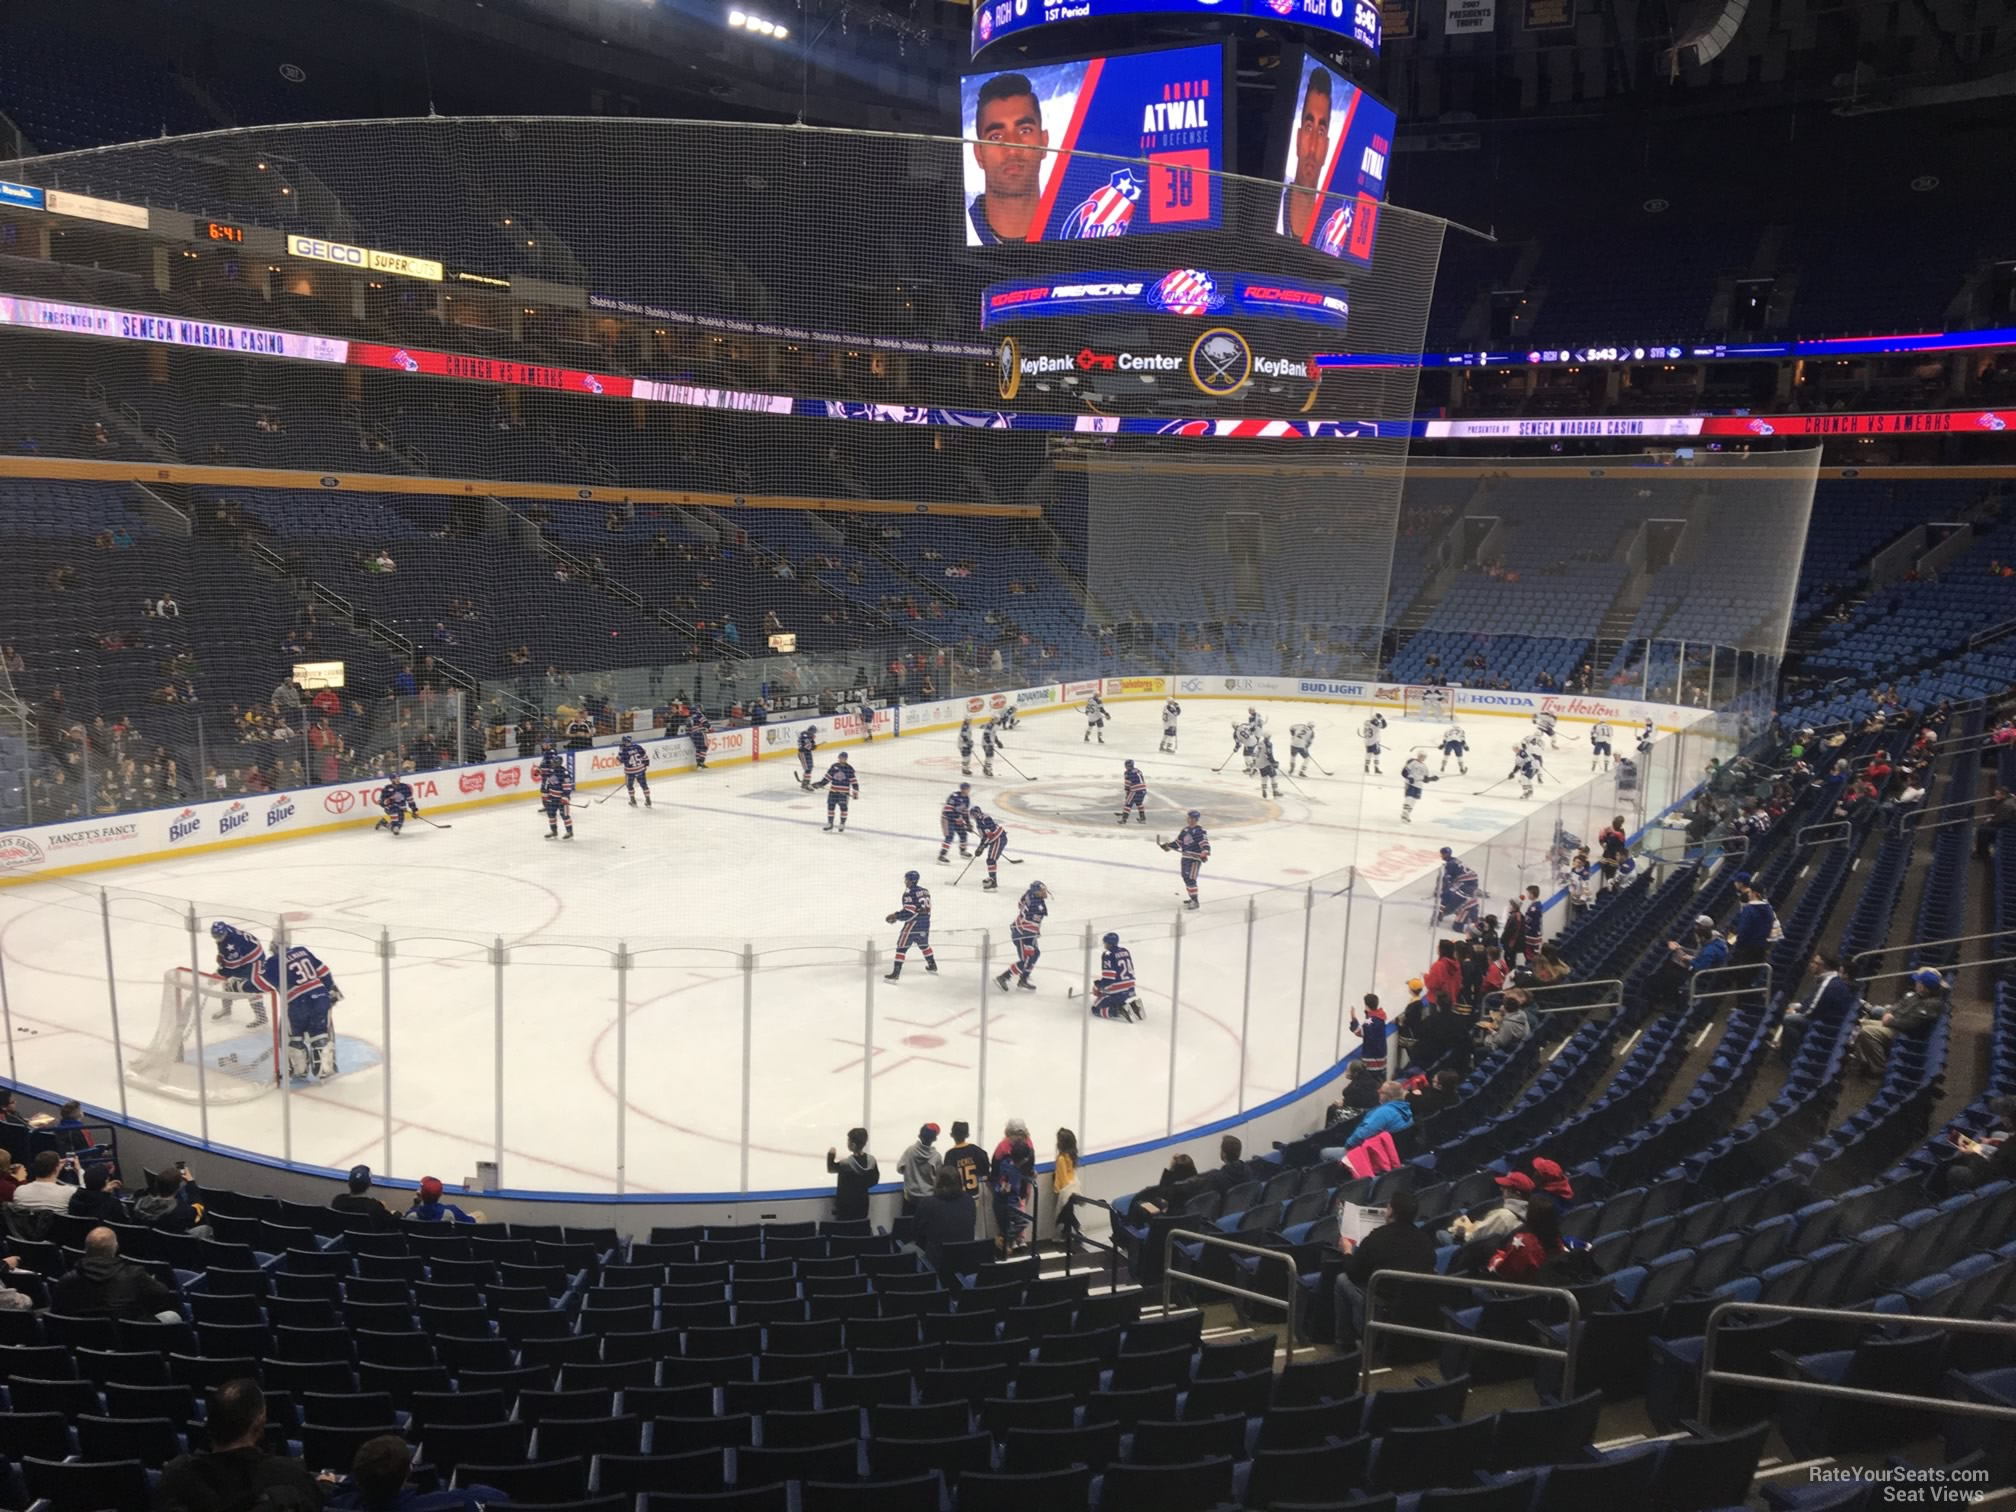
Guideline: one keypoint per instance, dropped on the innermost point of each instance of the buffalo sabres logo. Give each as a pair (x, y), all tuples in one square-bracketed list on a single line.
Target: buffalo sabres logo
[(1008, 368), (1221, 363)]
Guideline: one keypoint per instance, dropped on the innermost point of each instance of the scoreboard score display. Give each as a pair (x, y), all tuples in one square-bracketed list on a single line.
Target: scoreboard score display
[(1029, 175), (995, 19)]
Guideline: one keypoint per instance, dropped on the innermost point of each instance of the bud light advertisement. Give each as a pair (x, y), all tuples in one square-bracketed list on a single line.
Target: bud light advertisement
[(1155, 119)]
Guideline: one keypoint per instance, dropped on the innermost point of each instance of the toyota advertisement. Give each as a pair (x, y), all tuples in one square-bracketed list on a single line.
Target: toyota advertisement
[(1156, 121), (1190, 293)]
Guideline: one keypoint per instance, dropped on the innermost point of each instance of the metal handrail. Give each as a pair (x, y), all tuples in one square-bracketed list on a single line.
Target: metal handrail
[(1286, 1302), (1971, 805), (1810, 834), (1373, 1325), (1966, 939), (1695, 995), (1710, 1376)]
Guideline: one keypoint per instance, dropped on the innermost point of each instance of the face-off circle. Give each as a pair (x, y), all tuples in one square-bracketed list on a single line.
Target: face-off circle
[(1091, 803)]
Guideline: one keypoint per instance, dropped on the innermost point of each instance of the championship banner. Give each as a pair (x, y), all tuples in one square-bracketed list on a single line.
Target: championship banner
[(1549, 15), (1189, 292), (1470, 18)]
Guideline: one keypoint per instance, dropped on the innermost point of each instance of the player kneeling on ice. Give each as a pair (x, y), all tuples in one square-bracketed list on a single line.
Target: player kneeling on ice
[(636, 762), (309, 992), (396, 798), (1457, 744), (914, 914), (842, 788), (1095, 719), (238, 955), (1414, 774), (1133, 794), (1008, 720), (1026, 935), (1116, 997)]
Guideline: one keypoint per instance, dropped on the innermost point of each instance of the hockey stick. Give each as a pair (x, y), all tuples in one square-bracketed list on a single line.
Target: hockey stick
[(966, 868), (612, 793), (1228, 759), (1014, 768), (1307, 797), (1319, 765), (430, 821)]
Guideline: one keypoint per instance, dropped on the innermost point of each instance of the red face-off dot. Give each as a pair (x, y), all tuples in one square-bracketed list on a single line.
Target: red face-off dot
[(923, 1041)]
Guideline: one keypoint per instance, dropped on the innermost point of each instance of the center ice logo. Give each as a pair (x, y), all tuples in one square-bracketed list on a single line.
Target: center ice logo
[(1107, 211)]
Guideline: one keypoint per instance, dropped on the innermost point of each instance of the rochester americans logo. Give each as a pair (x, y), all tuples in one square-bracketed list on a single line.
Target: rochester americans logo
[(1187, 291), (1107, 211)]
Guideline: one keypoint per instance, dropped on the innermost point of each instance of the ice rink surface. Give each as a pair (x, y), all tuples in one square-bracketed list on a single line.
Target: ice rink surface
[(494, 1022)]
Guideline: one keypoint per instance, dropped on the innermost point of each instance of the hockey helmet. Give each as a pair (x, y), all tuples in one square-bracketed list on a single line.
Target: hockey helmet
[(1196, 814), (911, 878), (1129, 763), (841, 757), (1039, 889), (219, 930), (546, 748), (1111, 940), (1446, 852), (965, 787)]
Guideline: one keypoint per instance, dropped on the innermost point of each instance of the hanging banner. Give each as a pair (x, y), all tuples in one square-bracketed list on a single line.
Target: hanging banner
[(1549, 15), (1470, 18), (1397, 17)]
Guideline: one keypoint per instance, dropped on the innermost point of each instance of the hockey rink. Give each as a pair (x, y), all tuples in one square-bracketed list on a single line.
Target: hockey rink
[(696, 988)]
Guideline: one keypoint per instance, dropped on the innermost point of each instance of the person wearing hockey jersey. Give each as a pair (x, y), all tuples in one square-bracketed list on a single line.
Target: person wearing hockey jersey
[(1133, 794), (865, 712), (1456, 743), (1414, 774), (914, 914), (955, 823), (396, 799), (1026, 934), (238, 955), (697, 731), (1172, 711), (1526, 767), (309, 993), (1095, 719), (1193, 848), (1543, 725), (842, 788), (636, 764), (1371, 1030), (992, 842), (1370, 732), (990, 742), (556, 801), (1115, 991), (1270, 770), (808, 742), (1246, 741), (1008, 720), (1600, 736), (1531, 917), (1646, 736), (965, 748), (1457, 904), (1301, 740), (550, 760)]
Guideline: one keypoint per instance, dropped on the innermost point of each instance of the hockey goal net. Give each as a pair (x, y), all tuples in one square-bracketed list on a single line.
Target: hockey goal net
[(241, 1059), (1431, 703)]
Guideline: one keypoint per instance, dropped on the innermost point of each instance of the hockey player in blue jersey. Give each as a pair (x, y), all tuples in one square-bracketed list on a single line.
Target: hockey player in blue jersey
[(238, 956), (1133, 794), (556, 801), (1193, 849), (1457, 902), (550, 760), (955, 823), (697, 731), (993, 841), (1456, 743), (1115, 990), (808, 742), (309, 991), (1646, 736), (989, 744), (396, 799), (636, 763), (1026, 934), (914, 914), (842, 788), (1172, 711), (966, 746)]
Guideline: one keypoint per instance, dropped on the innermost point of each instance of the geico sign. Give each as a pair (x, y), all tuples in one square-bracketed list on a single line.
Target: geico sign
[(327, 251)]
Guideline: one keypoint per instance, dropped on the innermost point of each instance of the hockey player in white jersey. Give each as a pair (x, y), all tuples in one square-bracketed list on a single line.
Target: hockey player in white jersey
[(1270, 770), (1456, 743), (1543, 724), (1095, 719), (1171, 712), (1416, 776), (1301, 739), (1600, 735), (1646, 736), (965, 748), (1246, 739), (1372, 733), (1526, 767)]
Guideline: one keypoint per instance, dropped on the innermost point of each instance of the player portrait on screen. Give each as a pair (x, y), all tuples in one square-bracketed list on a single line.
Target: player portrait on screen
[(1309, 153), (1334, 171), (1009, 142)]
